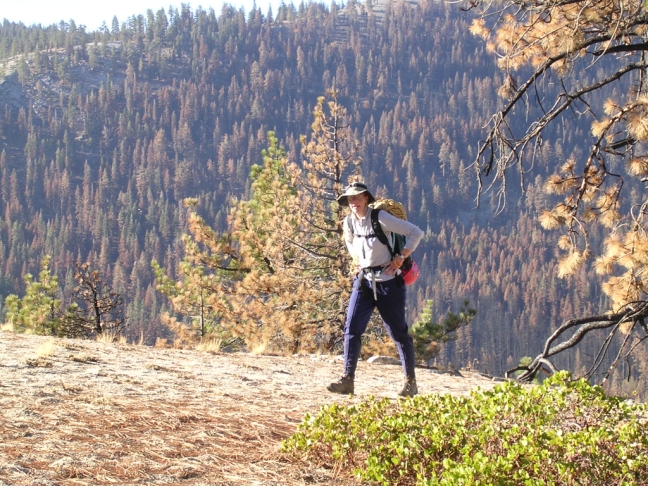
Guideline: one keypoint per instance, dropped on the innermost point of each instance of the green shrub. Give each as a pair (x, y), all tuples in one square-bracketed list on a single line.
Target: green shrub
[(560, 432)]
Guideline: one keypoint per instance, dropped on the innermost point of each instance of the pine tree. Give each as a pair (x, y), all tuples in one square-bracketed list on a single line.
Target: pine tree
[(191, 299), (39, 311), (559, 41), (429, 336), (96, 310), (555, 40), (283, 266)]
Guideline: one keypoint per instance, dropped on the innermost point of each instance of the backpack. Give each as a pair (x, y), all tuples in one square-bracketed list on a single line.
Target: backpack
[(394, 208)]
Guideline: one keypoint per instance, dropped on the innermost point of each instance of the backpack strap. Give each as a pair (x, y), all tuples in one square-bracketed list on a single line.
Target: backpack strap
[(379, 232)]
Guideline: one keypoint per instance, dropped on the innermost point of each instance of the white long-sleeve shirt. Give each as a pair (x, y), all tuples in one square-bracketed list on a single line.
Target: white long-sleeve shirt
[(370, 252)]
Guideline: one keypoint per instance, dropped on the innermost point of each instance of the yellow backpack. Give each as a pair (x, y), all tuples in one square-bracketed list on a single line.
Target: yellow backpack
[(392, 207)]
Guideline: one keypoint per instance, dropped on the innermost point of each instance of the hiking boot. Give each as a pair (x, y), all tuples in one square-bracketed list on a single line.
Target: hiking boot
[(410, 389), (344, 385)]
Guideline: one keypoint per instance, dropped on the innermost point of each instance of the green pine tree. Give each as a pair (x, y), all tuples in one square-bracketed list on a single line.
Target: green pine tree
[(191, 298), (429, 336), (39, 311)]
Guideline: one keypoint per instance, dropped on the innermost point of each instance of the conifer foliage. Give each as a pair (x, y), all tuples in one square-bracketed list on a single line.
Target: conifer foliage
[(97, 308), (429, 336), (104, 134), (558, 41), (190, 297), (279, 276), (39, 310)]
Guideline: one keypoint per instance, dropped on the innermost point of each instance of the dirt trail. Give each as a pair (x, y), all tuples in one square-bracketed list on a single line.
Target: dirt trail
[(84, 412)]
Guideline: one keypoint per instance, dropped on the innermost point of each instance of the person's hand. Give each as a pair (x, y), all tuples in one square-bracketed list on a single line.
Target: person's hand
[(391, 269), (394, 265)]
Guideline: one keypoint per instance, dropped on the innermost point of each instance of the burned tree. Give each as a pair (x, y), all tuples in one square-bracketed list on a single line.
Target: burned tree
[(97, 309)]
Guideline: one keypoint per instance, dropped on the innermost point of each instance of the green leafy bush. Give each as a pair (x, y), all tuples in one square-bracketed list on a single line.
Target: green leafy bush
[(560, 432)]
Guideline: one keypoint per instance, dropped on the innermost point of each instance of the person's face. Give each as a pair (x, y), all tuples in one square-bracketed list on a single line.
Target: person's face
[(359, 202)]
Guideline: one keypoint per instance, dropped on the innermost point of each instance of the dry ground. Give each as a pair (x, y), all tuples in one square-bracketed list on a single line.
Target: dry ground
[(83, 412)]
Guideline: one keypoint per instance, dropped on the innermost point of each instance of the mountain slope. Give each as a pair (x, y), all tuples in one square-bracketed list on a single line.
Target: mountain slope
[(104, 134)]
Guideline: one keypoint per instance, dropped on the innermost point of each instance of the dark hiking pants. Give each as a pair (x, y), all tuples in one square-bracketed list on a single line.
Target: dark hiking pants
[(391, 306)]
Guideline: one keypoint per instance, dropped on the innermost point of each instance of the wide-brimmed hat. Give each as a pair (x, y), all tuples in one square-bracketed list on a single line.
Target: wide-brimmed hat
[(354, 189)]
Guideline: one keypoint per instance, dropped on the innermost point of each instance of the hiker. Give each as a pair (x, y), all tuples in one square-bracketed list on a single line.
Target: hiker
[(378, 283)]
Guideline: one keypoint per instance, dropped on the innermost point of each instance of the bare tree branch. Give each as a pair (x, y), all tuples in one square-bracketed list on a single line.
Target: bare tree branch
[(583, 326)]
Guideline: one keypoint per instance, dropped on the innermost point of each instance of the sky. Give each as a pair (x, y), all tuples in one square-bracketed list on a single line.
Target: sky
[(93, 13)]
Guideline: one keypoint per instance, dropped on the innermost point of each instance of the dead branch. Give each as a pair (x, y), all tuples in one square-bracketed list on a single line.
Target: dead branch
[(634, 313)]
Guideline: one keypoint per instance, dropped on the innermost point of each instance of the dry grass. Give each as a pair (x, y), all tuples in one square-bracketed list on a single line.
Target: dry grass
[(161, 343), (108, 337), (140, 415), (211, 345), (48, 348), (7, 326)]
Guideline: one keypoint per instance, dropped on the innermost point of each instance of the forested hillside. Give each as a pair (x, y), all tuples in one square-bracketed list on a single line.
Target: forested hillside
[(105, 133)]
